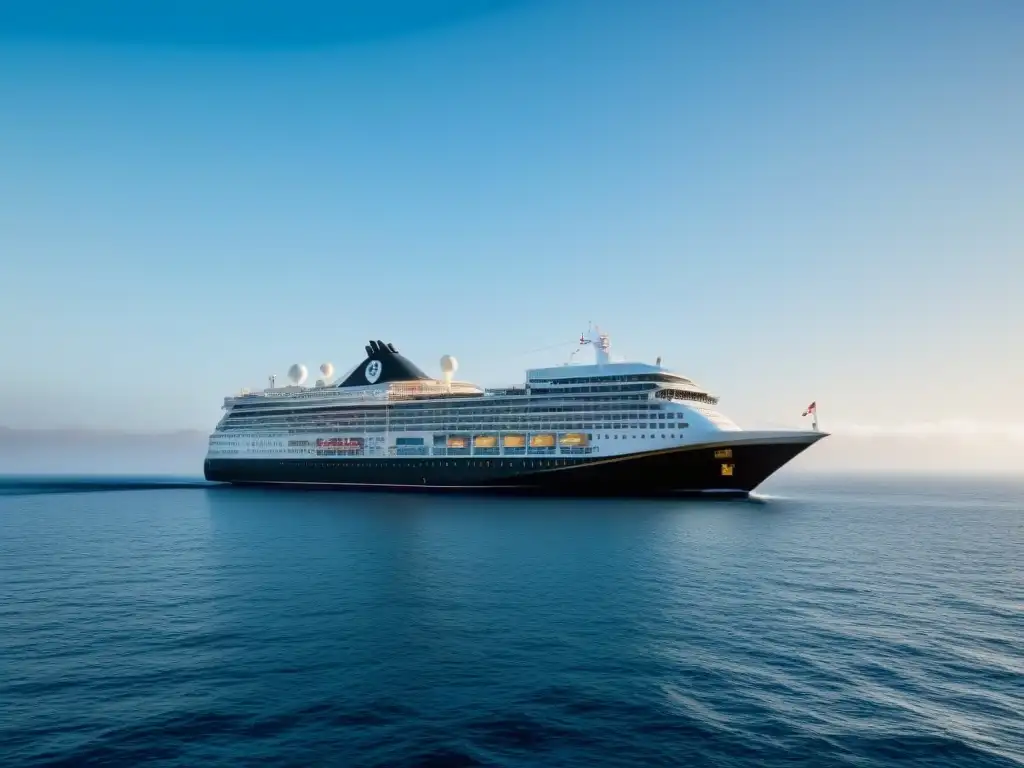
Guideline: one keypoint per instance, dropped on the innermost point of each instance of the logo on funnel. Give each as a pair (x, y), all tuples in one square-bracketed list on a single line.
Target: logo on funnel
[(373, 371)]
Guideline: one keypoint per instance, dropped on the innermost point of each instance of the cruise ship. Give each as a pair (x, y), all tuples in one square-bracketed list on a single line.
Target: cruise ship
[(608, 428)]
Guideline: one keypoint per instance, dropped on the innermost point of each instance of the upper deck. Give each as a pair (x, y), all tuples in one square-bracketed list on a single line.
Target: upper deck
[(604, 374), (352, 395), (386, 377)]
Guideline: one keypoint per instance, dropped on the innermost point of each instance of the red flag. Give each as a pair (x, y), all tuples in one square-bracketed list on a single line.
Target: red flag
[(812, 408)]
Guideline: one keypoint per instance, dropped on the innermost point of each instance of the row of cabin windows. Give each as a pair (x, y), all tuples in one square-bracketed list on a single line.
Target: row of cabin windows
[(397, 411), (496, 450), (468, 403), (469, 423), (590, 390), (426, 424), (410, 404), (607, 436), (682, 394), (492, 427), (395, 414), (488, 427), (660, 377), (467, 428), (467, 419)]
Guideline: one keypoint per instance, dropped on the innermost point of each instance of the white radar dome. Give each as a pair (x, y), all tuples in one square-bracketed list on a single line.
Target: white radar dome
[(327, 370), (448, 367), (297, 373)]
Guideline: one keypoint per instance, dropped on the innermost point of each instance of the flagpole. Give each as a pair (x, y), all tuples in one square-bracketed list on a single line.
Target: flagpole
[(812, 410)]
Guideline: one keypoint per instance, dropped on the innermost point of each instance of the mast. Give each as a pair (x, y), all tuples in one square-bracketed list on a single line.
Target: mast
[(602, 345)]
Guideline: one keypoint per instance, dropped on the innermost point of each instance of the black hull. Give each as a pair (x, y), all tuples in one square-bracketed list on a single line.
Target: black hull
[(732, 469)]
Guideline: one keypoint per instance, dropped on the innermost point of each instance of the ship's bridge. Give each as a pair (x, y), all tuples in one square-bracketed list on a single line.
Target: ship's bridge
[(607, 373), (616, 377)]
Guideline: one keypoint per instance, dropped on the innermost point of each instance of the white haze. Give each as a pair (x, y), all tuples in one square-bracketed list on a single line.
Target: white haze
[(954, 429)]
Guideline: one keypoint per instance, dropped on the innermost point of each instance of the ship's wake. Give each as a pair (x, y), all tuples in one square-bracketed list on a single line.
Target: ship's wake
[(48, 484)]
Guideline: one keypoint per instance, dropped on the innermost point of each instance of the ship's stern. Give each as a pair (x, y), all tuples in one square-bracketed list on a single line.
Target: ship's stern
[(210, 461)]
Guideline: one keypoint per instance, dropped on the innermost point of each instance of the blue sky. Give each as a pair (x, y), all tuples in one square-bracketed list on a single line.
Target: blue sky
[(787, 201)]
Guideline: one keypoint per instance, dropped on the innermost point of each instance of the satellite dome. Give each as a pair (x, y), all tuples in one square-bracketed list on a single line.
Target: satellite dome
[(327, 370), (449, 364), (297, 373), (448, 367)]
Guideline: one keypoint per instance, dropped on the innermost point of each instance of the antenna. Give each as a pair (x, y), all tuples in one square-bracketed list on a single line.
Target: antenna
[(273, 378), (601, 344)]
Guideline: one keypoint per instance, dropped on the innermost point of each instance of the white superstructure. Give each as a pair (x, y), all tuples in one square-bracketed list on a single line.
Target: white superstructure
[(388, 408)]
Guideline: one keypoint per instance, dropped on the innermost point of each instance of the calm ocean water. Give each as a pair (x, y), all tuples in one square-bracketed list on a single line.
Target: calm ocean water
[(861, 622)]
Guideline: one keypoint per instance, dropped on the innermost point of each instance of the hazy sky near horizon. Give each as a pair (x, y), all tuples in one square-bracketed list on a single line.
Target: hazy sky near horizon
[(787, 201)]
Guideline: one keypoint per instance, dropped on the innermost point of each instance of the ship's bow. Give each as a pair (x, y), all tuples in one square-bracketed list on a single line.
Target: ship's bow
[(749, 458), (734, 464)]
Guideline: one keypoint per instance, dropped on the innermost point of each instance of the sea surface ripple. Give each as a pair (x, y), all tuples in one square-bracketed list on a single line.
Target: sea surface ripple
[(858, 621)]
